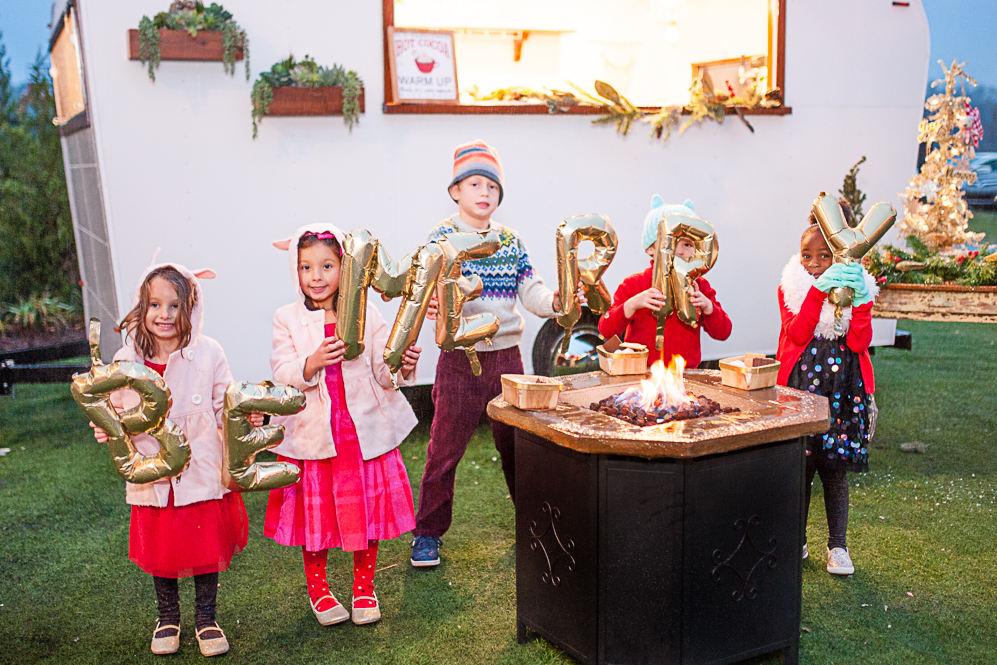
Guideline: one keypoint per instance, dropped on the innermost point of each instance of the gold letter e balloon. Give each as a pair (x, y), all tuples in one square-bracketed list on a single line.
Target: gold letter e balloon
[(92, 391)]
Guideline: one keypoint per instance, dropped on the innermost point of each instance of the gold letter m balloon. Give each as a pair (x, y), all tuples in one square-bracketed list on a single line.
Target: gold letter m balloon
[(242, 473), (92, 391)]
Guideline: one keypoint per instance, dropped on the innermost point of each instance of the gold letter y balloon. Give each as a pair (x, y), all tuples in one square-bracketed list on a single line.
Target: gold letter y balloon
[(849, 244), (92, 391), (242, 473), (571, 269)]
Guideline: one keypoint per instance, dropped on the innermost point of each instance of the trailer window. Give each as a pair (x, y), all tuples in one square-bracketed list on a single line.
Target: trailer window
[(649, 50), (66, 71)]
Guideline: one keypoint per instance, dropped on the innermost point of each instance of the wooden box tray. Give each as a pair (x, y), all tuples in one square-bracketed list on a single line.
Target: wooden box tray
[(749, 372), (179, 45), (528, 392)]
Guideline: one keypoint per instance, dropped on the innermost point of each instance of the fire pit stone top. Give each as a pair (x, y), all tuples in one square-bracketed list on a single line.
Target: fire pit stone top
[(771, 414)]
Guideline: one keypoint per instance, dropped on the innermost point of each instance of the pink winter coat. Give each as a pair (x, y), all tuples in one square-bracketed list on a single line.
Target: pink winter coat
[(382, 415), (197, 377)]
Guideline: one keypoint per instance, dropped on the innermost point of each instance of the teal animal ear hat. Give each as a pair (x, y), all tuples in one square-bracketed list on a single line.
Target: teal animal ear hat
[(659, 208)]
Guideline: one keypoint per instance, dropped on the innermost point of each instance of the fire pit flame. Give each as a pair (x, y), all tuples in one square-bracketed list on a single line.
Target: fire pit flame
[(660, 399), (666, 387)]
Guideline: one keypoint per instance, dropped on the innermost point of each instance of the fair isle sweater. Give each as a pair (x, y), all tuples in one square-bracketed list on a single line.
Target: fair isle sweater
[(504, 275)]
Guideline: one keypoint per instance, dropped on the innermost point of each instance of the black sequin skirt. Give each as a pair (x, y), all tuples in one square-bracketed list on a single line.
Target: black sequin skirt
[(829, 368)]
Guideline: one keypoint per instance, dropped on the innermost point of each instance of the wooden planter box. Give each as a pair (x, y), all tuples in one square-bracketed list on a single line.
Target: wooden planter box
[(179, 45), (291, 100), (929, 302)]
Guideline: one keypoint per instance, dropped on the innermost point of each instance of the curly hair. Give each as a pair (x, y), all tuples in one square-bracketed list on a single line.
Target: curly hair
[(134, 322)]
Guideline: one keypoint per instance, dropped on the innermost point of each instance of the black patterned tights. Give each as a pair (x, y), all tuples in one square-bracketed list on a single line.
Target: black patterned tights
[(205, 595), (835, 484)]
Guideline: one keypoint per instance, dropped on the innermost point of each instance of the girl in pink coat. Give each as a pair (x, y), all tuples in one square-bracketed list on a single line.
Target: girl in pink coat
[(353, 490), (190, 525)]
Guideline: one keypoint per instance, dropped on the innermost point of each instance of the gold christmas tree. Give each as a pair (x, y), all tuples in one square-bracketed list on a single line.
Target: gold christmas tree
[(934, 208)]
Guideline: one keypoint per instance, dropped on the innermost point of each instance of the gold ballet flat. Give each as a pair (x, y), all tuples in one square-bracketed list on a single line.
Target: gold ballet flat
[(365, 615), (337, 614), (163, 646), (214, 646)]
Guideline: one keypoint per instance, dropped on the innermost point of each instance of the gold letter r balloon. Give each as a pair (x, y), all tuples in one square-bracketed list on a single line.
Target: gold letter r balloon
[(571, 269), (92, 391)]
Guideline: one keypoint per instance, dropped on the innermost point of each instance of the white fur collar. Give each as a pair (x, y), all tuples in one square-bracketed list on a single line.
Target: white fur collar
[(795, 285)]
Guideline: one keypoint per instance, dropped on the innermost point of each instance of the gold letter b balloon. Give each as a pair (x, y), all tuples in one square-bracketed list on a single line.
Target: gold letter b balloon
[(92, 392), (242, 473)]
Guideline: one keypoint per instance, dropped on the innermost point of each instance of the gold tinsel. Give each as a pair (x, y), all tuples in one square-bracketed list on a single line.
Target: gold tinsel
[(934, 208)]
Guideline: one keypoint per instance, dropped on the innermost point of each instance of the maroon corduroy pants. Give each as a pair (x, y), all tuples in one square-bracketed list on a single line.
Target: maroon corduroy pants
[(459, 400)]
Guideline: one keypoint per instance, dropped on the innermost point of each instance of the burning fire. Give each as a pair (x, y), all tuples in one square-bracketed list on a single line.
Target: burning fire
[(665, 388)]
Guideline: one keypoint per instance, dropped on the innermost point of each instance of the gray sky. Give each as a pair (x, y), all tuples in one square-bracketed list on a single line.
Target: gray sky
[(963, 29)]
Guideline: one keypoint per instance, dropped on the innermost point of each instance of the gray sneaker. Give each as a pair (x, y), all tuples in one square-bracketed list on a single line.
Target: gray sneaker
[(838, 562), (806, 552)]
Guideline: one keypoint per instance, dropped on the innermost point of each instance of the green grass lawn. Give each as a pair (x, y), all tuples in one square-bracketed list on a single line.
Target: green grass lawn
[(922, 535)]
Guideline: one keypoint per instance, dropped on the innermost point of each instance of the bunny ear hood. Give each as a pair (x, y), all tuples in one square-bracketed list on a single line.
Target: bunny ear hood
[(290, 245), (194, 276)]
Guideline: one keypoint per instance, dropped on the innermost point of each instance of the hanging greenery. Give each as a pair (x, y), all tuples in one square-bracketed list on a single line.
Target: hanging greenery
[(192, 16), (306, 73)]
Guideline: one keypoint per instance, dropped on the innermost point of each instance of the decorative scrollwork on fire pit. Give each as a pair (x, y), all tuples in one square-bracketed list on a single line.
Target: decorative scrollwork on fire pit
[(552, 557), (767, 557)]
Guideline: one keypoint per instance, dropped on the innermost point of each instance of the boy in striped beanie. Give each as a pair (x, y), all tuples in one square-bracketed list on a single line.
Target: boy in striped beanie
[(459, 397)]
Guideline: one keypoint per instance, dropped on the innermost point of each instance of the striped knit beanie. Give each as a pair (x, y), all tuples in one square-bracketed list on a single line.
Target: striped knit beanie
[(477, 158)]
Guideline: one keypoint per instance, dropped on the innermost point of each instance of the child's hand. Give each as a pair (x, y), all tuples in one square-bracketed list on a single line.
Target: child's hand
[(256, 419), (832, 278), (434, 307), (409, 360), (651, 299), (704, 304), (579, 294), (99, 434), (329, 352)]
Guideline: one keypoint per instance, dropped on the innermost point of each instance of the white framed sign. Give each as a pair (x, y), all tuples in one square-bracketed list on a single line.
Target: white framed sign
[(423, 66)]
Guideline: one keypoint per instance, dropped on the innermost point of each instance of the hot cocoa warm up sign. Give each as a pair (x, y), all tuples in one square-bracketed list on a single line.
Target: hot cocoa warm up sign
[(423, 65)]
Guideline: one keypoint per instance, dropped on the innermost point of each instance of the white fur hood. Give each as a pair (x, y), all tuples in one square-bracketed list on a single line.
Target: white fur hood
[(795, 286)]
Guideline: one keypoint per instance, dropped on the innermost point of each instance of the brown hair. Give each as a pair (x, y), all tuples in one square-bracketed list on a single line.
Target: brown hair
[(134, 321), (308, 240), (846, 211)]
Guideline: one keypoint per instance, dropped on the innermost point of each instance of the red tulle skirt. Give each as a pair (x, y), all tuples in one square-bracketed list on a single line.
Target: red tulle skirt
[(188, 540)]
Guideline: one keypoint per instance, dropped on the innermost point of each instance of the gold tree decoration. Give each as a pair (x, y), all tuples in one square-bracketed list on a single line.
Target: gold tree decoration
[(935, 210)]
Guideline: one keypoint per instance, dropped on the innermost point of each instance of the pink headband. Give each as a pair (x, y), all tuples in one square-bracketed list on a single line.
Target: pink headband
[(325, 235)]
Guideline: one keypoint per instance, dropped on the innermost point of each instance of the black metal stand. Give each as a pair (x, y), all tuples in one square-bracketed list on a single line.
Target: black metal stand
[(626, 560)]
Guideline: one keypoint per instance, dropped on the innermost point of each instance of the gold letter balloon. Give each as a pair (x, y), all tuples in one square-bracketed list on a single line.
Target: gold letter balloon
[(453, 329), (92, 392), (849, 243), (571, 269), (242, 473), (674, 276)]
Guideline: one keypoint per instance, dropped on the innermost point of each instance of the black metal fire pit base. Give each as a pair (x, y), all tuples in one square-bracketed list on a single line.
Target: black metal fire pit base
[(627, 560)]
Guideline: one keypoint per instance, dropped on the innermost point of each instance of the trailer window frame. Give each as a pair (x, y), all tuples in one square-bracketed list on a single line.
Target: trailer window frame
[(392, 106)]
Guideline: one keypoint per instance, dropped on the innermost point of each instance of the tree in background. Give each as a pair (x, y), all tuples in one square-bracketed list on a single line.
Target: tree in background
[(37, 247), (935, 210)]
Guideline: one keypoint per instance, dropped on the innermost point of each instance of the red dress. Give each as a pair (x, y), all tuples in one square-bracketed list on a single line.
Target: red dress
[(181, 541), (342, 501)]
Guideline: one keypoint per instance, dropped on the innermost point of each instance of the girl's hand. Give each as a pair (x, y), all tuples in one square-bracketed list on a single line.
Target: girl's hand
[(832, 278), (256, 419), (651, 299), (704, 304), (434, 307), (329, 352), (99, 434), (579, 294), (409, 360)]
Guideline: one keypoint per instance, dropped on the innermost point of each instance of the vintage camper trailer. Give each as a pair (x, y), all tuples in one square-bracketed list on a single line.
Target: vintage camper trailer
[(172, 164)]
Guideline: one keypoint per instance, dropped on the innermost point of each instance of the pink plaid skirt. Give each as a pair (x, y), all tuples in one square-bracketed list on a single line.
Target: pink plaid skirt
[(342, 501)]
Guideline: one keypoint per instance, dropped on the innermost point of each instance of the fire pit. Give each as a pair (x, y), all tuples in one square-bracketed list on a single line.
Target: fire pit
[(672, 542)]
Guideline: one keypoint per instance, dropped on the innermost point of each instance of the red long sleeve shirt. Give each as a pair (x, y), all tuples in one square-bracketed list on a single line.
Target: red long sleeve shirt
[(680, 339), (798, 329)]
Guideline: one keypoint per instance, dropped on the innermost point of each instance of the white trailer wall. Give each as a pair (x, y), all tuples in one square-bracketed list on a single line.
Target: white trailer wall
[(179, 169)]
